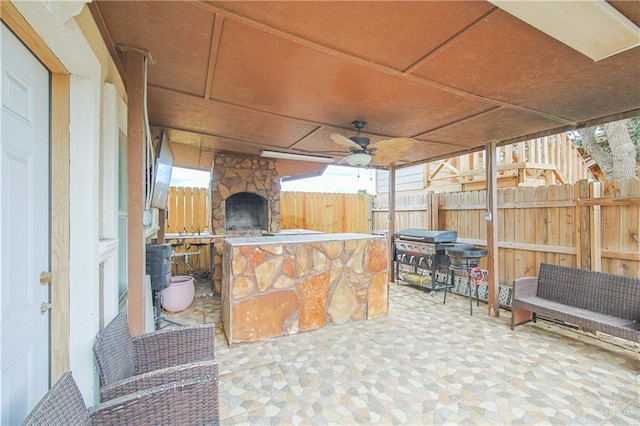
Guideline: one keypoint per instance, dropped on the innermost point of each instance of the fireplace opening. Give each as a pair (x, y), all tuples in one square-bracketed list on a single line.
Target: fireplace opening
[(246, 211)]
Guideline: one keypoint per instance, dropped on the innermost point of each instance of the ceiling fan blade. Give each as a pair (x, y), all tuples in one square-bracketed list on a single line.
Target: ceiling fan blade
[(395, 144), (391, 150), (344, 141), (386, 158)]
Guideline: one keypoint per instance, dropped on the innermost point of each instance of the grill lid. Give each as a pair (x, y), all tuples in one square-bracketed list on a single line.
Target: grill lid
[(427, 235)]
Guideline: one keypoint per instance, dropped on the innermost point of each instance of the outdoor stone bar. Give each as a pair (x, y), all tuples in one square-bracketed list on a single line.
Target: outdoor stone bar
[(279, 285)]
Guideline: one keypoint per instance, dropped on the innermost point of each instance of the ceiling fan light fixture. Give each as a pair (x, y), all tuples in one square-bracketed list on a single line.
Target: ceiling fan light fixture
[(358, 159)]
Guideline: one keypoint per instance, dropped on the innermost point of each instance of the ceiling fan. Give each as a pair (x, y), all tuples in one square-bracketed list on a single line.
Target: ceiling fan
[(361, 151)]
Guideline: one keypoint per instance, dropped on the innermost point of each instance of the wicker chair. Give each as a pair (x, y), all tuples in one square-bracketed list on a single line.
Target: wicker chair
[(189, 402), (129, 364)]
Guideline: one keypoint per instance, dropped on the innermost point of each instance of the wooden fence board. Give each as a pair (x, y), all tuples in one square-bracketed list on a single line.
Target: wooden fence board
[(535, 224), (510, 234), (542, 220), (180, 202), (620, 225), (595, 231), (567, 220), (205, 212), (172, 211), (611, 226), (552, 224), (189, 208), (326, 212)]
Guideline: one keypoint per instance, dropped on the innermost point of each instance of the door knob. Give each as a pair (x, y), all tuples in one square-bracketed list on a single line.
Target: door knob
[(45, 277)]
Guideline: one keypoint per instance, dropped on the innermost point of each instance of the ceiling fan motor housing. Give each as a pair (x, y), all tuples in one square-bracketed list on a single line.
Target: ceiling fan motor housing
[(363, 141)]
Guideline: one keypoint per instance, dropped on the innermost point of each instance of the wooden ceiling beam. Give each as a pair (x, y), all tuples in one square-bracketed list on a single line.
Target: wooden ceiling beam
[(308, 135), (462, 120), (417, 64), (442, 156), (213, 53)]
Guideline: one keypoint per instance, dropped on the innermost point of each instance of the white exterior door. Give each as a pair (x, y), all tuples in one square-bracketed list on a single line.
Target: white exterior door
[(24, 230)]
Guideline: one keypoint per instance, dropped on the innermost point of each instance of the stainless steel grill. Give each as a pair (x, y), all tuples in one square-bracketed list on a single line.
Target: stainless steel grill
[(423, 252), (420, 253)]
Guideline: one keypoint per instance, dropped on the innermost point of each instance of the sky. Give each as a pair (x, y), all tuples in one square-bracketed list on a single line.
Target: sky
[(335, 179), (189, 178)]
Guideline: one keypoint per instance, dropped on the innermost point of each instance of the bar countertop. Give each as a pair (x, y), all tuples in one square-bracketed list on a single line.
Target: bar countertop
[(285, 238)]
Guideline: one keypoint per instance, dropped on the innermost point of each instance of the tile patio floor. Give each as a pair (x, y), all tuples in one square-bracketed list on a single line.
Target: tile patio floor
[(425, 363)]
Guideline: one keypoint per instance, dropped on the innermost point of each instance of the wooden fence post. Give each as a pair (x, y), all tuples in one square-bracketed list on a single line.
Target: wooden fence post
[(596, 228), (435, 219), (582, 226)]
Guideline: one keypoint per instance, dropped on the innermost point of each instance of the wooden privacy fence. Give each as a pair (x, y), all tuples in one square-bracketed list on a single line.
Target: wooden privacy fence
[(326, 212), (188, 209), (591, 225), (412, 211)]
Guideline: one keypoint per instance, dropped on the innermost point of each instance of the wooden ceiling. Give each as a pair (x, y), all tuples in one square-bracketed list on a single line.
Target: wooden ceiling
[(245, 76)]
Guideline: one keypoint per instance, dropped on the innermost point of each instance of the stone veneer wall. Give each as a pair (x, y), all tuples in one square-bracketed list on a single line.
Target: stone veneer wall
[(234, 174), (280, 289)]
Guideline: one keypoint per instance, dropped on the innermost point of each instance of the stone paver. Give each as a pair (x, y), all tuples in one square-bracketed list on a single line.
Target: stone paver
[(426, 363)]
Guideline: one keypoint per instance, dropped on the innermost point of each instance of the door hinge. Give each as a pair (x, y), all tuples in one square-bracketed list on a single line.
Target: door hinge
[(44, 307)]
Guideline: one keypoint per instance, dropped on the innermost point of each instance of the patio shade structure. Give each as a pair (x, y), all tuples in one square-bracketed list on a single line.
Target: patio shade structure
[(248, 76)]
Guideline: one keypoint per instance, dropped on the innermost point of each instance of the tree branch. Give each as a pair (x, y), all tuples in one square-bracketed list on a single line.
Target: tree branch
[(595, 151)]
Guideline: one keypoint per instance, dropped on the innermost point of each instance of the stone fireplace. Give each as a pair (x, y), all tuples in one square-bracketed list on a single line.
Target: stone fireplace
[(246, 211), (245, 200), (245, 183)]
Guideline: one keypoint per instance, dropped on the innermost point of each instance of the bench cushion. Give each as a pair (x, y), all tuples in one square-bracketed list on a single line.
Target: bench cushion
[(608, 324)]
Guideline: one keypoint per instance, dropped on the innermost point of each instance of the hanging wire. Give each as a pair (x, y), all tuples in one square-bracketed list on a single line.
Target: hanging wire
[(149, 166)]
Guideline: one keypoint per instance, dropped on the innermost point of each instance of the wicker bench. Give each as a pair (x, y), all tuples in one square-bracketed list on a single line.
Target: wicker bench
[(592, 300)]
